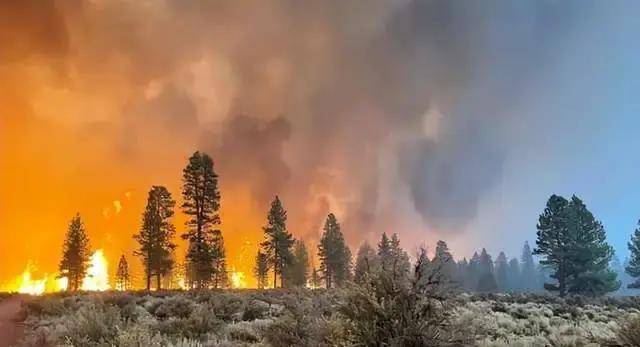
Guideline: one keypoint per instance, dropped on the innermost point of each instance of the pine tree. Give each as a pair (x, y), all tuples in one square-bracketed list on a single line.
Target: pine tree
[(633, 267), (156, 235), (574, 245), (443, 260), (75, 254), (486, 279), (299, 269), (528, 269), (123, 279), (554, 241), (462, 272), (384, 252), (473, 273), (502, 272), (316, 279), (278, 243), (589, 254), (400, 266), (334, 255), (201, 203), (514, 276), (261, 270), (220, 277), (366, 263)]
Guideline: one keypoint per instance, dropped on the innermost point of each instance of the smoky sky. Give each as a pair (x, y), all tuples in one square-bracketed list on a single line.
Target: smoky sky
[(393, 114)]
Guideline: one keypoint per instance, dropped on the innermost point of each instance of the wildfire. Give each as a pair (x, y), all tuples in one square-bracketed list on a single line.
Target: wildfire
[(97, 279), (31, 286), (238, 280)]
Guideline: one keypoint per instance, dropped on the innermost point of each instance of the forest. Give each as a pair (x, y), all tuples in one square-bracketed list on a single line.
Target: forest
[(571, 244), (381, 296)]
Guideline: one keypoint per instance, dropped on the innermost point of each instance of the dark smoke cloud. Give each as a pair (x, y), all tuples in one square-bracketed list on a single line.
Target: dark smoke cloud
[(391, 113)]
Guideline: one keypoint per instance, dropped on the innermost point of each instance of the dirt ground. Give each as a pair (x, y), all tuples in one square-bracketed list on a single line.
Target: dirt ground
[(11, 317)]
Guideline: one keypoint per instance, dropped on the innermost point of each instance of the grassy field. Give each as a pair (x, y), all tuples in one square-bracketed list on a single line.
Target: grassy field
[(346, 317)]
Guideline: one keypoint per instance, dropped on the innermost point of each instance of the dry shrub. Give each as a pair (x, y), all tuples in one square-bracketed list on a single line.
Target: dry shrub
[(629, 333)]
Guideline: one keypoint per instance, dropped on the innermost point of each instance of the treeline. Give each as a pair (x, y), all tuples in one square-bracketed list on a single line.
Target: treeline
[(571, 243)]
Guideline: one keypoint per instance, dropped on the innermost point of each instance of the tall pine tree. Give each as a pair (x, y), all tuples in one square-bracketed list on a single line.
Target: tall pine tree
[(156, 236), (443, 261), (633, 266), (502, 272), (366, 263), (278, 241), (554, 241), (298, 272), (334, 255), (261, 270), (514, 276), (486, 279), (574, 246), (220, 277), (201, 203), (75, 254)]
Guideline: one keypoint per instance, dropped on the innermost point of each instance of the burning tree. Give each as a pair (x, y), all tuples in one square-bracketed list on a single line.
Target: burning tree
[(278, 243), (75, 254), (201, 204), (156, 235)]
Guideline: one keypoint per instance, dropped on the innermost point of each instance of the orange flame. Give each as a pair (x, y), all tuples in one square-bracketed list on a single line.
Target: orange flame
[(97, 279), (238, 279)]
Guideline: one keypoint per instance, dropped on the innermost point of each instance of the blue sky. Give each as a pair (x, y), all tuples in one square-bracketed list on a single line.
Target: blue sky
[(574, 129)]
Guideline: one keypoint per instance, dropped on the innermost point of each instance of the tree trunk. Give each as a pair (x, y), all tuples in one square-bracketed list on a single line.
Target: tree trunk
[(275, 268), (158, 282)]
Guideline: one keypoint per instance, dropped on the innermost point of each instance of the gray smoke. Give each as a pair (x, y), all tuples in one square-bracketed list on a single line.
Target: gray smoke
[(394, 114)]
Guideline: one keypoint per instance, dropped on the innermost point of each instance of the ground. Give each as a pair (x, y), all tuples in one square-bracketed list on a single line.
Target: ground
[(316, 318), (11, 316)]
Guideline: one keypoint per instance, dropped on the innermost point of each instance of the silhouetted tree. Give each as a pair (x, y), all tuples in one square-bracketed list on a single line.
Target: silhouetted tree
[(75, 254), (394, 261), (528, 270), (201, 203), (443, 260), (633, 268), (366, 263), (514, 276), (486, 279), (220, 277), (123, 279), (473, 272), (156, 235), (299, 269), (316, 279), (334, 255), (261, 270), (502, 272), (278, 243)]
